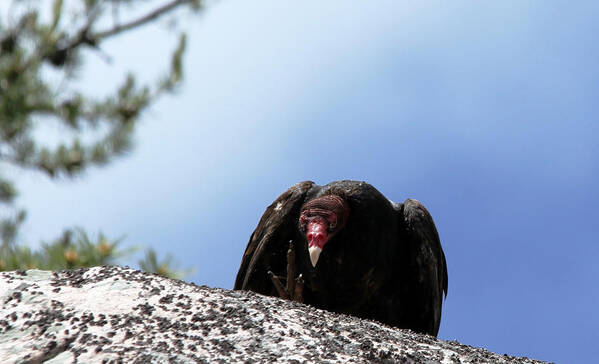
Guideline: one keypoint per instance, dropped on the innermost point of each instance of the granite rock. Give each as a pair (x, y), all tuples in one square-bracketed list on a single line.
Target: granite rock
[(120, 315)]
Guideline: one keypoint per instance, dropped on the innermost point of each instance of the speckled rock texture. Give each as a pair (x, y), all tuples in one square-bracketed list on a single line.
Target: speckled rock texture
[(120, 315)]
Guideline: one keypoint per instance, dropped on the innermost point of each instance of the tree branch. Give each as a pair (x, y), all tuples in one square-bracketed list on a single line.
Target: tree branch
[(144, 19), (85, 37)]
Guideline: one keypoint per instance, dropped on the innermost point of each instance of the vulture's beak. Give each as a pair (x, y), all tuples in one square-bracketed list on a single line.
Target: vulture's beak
[(317, 237), (315, 251)]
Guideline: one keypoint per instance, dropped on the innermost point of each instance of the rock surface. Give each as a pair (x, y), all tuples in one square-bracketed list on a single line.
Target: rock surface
[(120, 315)]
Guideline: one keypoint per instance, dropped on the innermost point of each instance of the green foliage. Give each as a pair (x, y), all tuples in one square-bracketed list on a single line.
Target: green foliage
[(31, 45), (151, 264), (75, 249)]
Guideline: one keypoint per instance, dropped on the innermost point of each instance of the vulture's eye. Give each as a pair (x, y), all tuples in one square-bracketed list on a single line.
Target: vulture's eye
[(332, 224)]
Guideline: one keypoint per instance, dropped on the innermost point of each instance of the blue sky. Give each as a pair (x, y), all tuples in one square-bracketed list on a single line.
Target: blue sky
[(483, 111)]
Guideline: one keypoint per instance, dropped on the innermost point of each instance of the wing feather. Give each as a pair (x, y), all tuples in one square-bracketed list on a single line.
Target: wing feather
[(276, 227), (426, 264)]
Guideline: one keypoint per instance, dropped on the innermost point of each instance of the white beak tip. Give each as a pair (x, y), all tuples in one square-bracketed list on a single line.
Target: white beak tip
[(314, 254)]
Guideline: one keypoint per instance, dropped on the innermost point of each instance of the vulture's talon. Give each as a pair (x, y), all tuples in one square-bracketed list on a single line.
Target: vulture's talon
[(299, 290), (291, 269), (278, 285), (294, 286)]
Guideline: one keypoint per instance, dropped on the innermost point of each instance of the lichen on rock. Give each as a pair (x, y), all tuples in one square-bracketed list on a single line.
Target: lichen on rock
[(114, 314)]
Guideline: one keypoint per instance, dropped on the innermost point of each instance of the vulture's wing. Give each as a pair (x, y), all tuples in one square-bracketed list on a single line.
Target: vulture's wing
[(268, 245), (425, 264)]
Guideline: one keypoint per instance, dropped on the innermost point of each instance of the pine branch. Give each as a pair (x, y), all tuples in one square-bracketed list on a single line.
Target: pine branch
[(27, 97), (85, 37), (141, 21)]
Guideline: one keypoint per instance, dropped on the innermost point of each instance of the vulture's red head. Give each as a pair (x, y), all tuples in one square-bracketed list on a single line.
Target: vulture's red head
[(320, 219)]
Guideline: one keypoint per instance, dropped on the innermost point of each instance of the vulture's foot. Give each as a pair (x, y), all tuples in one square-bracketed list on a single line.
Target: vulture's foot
[(294, 288)]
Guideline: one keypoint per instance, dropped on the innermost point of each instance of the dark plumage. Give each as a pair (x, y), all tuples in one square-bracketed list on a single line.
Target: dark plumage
[(358, 253)]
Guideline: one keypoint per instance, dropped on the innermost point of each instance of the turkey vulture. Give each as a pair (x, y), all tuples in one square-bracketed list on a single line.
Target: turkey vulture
[(355, 252)]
